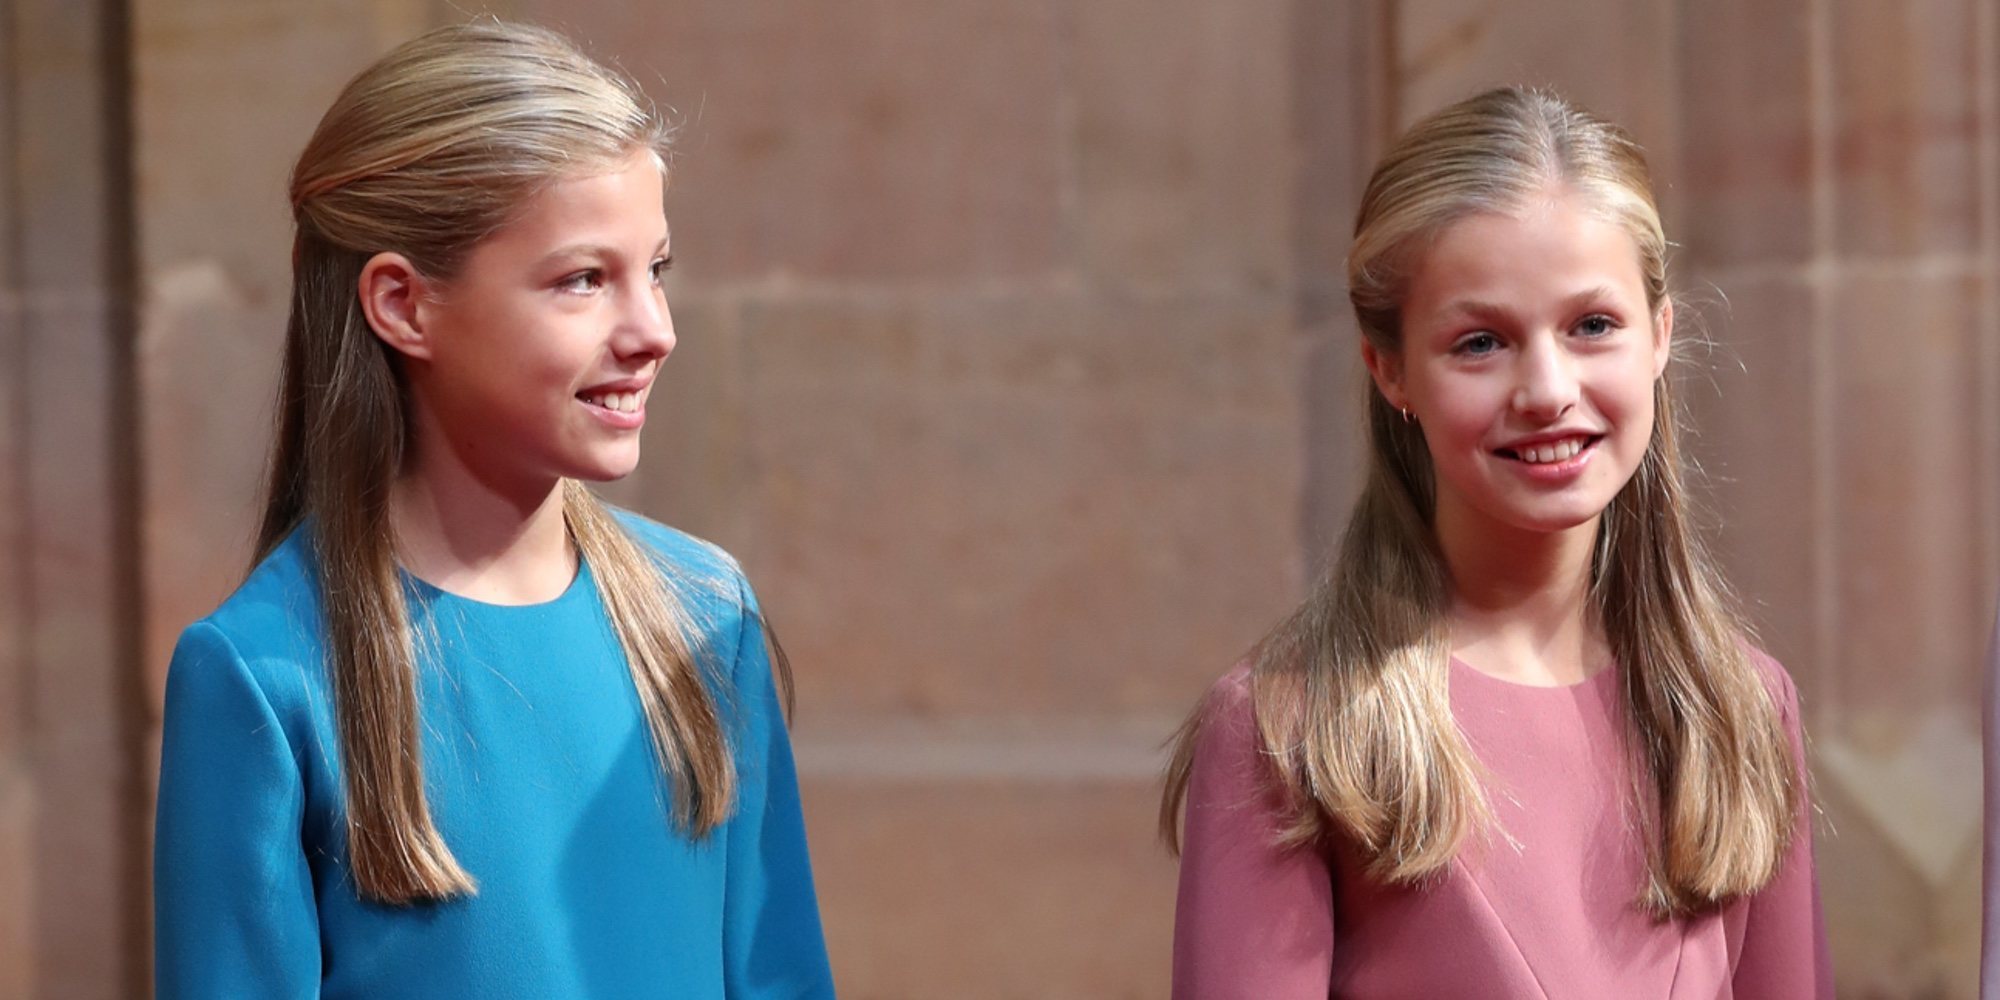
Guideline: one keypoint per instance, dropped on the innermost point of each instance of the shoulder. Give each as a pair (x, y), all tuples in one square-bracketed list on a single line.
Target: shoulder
[(277, 600), (1777, 680), (1230, 769), (676, 548), (1228, 716), (1778, 685), (1230, 694), (265, 640), (707, 580)]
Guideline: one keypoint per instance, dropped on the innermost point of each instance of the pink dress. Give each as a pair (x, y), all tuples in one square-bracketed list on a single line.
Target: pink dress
[(1552, 919), (1989, 958)]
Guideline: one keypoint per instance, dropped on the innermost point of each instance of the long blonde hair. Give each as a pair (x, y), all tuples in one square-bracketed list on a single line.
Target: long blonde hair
[(425, 153), (1350, 692)]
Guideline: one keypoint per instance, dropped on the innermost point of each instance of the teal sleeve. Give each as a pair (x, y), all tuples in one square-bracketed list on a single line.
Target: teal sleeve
[(232, 892), (772, 943)]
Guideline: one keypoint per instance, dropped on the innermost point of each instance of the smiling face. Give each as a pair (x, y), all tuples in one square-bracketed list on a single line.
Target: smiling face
[(535, 361), (1528, 357)]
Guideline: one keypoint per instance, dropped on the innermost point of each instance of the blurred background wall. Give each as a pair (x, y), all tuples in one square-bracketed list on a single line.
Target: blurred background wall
[(1016, 367)]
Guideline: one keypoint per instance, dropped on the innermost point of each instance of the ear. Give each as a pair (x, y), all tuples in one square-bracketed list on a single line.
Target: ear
[(1663, 338), (1387, 371), (392, 298)]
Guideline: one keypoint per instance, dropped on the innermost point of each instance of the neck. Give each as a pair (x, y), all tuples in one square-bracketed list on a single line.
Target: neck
[(1521, 599), (502, 542)]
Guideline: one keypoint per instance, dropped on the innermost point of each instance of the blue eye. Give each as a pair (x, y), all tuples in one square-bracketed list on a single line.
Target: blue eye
[(1476, 344), (1597, 326)]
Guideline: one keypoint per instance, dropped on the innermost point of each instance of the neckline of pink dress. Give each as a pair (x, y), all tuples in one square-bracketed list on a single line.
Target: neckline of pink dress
[(1600, 675)]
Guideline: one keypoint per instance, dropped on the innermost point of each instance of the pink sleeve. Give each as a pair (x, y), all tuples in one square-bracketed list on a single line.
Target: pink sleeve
[(1989, 955), (1784, 932), (1253, 921)]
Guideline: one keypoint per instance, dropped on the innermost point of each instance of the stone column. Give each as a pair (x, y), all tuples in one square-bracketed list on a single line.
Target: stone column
[(17, 900), (71, 859)]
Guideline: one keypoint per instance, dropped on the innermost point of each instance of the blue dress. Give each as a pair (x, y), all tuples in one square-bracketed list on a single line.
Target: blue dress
[(541, 778)]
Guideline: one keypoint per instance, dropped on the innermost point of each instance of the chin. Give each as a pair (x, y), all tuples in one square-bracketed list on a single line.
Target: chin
[(1557, 525), (605, 470), (1553, 519), (599, 475)]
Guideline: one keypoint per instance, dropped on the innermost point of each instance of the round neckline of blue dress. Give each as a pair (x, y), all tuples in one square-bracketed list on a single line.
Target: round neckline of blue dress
[(434, 594)]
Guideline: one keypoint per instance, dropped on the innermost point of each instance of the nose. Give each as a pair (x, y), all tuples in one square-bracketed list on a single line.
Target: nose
[(646, 326), (1546, 384)]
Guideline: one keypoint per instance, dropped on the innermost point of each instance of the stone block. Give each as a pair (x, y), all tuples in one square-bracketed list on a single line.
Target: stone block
[(68, 459), (1908, 485), (9, 221), (1957, 915), (878, 140), (19, 891), (992, 889), (1183, 142), (695, 473), (1746, 121), (78, 693), (1749, 393), (1883, 917), (207, 364), (1341, 113), (61, 146), (1001, 504), (1336, 389), (211, 168), (1907, 129), (14, 529), (1615, 59)]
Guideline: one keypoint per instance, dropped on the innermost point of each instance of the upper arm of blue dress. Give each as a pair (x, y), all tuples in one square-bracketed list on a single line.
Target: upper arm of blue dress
[(772, 936), (234, 908)]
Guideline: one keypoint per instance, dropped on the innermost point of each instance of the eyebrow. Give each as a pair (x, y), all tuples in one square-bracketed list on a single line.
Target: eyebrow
[(1486, 311), (599, 250)]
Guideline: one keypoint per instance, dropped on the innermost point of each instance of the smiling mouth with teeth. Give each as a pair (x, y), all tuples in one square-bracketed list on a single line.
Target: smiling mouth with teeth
[(620, 402), (1551, 452)]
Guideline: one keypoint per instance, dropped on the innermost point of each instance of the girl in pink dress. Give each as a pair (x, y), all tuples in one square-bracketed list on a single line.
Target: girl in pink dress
[(1989, 955), (1517, 742)]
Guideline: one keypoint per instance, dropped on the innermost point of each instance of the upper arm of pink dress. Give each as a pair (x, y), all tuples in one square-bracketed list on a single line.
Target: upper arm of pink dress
[(1784, 932), (1253, 920), (1989, 957)]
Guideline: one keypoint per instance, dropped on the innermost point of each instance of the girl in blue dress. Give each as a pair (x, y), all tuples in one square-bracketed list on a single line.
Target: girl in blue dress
[(465, 731)]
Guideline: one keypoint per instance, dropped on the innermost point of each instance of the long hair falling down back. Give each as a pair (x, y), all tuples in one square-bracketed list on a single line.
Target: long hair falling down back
[(425, 153), (1350, 692)]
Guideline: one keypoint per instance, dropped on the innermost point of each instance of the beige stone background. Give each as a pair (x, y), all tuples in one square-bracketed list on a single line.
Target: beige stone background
[(1015, 366)]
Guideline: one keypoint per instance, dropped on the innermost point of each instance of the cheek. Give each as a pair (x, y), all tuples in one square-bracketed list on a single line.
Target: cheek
[(1629, 396), (509, 377), (1641, 421), (1463, 412), (534, 350)]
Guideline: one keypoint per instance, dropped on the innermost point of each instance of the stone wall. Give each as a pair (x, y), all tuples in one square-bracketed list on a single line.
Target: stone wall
[(72, 840), (1014, 364)]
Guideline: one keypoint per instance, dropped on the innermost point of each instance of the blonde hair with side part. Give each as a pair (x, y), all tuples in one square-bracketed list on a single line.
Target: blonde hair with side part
[(425, 153), (1350, 692)]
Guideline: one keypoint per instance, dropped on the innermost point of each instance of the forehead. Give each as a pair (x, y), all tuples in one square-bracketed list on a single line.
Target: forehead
[(622, 203), (1551, 247)]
